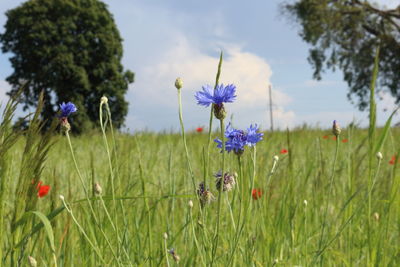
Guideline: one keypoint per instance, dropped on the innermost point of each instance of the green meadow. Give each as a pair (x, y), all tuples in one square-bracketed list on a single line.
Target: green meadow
[(304, 197)]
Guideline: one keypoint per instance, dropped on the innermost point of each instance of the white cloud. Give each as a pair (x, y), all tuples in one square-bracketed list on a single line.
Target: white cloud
[(154, 87)]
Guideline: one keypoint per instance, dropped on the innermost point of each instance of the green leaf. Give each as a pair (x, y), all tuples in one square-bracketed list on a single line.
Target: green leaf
[(384, 133), (47, 227)]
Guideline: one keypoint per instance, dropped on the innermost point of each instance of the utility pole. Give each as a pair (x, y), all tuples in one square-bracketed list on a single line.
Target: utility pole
[(270, 109)]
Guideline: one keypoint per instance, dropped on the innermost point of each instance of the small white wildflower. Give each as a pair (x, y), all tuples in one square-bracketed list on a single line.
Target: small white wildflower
[(305, 202), (379, 156), (178, 83), (276, 158), (62, 197), (376, 216), (190, 203), (165, 235)]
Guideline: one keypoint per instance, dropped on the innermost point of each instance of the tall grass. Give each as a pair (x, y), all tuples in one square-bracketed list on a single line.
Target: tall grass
[(325, 202)]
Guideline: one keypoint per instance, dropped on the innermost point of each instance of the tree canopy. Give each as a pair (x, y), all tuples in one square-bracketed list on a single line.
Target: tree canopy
[(345, 34), (72, 50)]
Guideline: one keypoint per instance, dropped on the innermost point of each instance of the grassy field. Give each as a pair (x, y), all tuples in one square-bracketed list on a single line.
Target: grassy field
[(300, 219), (304, 197)]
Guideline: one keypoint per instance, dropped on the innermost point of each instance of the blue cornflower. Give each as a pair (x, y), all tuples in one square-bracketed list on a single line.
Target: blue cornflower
[(238, 139), (218, 96), (67, 109), (253, 136)]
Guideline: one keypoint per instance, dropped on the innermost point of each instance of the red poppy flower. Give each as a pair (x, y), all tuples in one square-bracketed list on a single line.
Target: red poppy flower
[(345, 140), (42, 189), (199, 129), (284, 151), (325, 137), (256, 193), (392, 160)]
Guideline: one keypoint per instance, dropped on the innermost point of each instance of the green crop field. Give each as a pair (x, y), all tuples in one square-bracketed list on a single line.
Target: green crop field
[(305, 197)]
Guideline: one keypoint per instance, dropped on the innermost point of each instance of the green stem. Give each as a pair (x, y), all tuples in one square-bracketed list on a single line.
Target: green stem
[(216, 237), (111, 168), (328, 197)]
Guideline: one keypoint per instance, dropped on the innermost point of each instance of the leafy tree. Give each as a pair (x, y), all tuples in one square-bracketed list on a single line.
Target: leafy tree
[(72, 50), (345, 34)]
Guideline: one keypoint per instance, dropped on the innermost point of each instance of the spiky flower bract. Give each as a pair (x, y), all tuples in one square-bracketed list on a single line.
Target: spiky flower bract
[(67, 109), (218, 96)]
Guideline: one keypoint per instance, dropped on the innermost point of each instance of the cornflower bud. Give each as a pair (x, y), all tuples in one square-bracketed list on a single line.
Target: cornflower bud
[(336, 128), (32, 261), (178, 83), (97, 189), (103, 100), (174, 255)]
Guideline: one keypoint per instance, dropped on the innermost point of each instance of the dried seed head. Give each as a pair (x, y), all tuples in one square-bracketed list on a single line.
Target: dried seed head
[(205, 195), (32, 261), (228, 181), (178, 83), (336, 128), (97, 189), (379, 156)]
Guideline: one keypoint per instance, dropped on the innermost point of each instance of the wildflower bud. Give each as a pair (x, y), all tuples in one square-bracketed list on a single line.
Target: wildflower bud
[(305, 202), (62, 197), (174, 255), (190, 204), (103, 100), (376, 216), (336, 129), (32, 261), (276, 158), (165, 236), (97, 189), (219, 111), (379, 156), (65, 124), (178, 83)]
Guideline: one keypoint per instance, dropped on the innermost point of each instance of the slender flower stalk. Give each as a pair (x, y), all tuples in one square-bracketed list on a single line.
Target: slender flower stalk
[(216, 236), (336, 131), (104, 101), (95, 248), (178, 85)]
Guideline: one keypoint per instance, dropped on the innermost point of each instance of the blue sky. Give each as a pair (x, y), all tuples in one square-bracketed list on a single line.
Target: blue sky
[(168, 39)]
